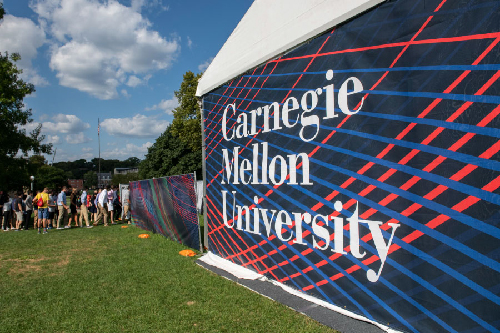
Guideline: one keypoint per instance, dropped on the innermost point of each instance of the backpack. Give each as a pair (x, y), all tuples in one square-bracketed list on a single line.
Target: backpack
[(39, 203)]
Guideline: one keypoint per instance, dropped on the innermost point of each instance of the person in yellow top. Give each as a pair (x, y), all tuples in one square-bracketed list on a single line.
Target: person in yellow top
[(43, 210)]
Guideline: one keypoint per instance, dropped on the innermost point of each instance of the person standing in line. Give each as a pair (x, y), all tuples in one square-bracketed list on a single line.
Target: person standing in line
[(72, 207), (84, 214), (35, 211), (7, 207), (93, 207), (29, 209), (23, 202), (13, 215), (62, 208), (52, 208), (110, 205), (56, 212), (43, 211), (2, 200), (18, 209), (101, 205)]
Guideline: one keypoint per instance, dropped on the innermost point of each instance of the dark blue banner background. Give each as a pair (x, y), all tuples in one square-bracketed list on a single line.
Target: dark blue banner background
[(381, 178)]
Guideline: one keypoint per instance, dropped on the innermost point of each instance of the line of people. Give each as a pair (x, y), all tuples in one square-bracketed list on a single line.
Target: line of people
[(50, 209)]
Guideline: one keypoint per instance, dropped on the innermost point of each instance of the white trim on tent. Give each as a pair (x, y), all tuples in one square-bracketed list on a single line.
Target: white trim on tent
[(270, 28)]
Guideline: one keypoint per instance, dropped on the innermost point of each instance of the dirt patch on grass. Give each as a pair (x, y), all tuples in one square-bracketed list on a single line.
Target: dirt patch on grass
[(50, 265), (23, 266)]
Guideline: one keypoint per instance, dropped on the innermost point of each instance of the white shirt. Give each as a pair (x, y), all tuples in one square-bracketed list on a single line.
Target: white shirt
[(7, 206), (103, 197)]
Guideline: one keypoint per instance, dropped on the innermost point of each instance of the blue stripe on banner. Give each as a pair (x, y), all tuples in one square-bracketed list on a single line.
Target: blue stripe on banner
[(488, 67), (491, 99)]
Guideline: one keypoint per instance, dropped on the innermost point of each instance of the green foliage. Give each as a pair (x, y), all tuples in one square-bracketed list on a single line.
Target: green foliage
[(14, 140), (187, 116), (51, 177), (169, 156), (79, 168), (124, 179), (90, 179)]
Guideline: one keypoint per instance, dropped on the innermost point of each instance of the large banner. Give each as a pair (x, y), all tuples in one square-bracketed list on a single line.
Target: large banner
[(362, 167), (167, 206)]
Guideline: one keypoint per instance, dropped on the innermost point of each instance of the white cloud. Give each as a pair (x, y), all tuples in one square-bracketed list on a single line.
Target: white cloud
[(202, 67), (97, 45), (23, 36), (77, 138), (129, 150), (125, 93), (166, 105), (63, 155), (156, 5), (87, 149), (138, 126), (54, 139), (65, 123), (43, 117), (189, 42), (133, 81)]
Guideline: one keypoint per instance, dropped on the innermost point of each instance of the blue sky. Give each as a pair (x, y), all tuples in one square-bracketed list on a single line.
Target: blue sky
[(119, 61)]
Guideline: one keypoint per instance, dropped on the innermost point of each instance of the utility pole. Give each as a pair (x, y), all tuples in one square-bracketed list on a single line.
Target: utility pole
[(54, 156), (99, 140)]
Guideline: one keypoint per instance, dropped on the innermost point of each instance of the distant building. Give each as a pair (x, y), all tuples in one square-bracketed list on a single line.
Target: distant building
[(103, 178), (124, 171), (76, 183)]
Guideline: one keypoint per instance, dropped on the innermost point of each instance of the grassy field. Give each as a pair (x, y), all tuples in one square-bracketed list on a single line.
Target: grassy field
[(106, 279)]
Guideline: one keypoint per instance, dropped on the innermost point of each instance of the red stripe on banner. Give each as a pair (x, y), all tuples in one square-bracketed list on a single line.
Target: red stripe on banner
[(489, 35)]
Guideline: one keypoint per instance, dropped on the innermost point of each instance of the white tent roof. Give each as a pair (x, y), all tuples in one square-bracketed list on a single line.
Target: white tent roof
[(271, 27)]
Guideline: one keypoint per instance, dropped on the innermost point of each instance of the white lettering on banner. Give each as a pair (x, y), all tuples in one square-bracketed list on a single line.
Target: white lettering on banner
[(321, 229), (292, 111), (325, 231), (283, 172)]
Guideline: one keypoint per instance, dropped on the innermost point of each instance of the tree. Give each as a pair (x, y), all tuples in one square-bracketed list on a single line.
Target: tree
[(187, 116), (124, 179), (169, 156), (130, 162), (51, 177), (15, 142), (90, 179)]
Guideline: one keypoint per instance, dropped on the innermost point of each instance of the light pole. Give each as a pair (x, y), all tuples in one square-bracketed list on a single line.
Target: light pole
[(32, 180)]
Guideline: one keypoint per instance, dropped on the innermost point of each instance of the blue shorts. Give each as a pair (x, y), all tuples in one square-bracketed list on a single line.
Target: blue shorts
[(43, 213)]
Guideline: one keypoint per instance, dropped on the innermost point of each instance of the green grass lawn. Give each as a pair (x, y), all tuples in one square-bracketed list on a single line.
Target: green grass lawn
[(106, 279)]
